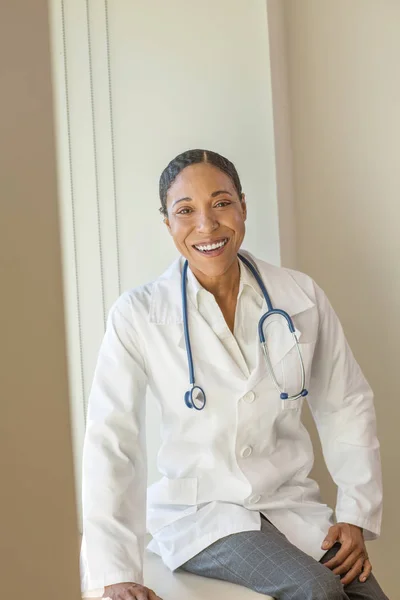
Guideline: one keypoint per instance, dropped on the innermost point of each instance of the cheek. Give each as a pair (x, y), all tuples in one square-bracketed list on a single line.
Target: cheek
[(238, 224), (179, 232)]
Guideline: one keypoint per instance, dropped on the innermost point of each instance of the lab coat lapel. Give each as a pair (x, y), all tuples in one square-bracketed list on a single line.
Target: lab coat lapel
[(166, 309), (206, 345)]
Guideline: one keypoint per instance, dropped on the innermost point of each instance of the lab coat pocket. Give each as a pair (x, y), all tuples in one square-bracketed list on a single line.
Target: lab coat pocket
[(279, 339), (168, 500)]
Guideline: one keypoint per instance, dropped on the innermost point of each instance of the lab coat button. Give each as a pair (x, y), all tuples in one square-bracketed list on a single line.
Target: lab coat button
[(249, 397), (254, 499), (246, 451)]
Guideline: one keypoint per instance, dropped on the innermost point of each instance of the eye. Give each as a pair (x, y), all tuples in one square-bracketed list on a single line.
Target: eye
[(223, 203), (185, 211)]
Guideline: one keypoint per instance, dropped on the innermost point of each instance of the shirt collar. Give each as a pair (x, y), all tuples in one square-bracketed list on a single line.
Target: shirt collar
[(246, 279), (194, 287)]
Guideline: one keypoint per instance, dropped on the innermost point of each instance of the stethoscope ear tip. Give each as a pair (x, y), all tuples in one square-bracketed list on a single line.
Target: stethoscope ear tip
[(285, 395)]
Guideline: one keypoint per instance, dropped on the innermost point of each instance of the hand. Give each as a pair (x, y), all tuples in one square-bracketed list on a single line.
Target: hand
[(129, 591), (352, 558)]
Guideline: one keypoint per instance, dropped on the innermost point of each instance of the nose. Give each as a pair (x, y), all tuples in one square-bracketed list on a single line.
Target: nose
[(206, 222)]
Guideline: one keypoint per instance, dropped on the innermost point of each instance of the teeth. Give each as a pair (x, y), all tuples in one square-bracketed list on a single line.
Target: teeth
[(208, 247)]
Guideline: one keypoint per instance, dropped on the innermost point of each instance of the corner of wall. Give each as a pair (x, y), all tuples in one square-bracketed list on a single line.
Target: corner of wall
[(282, 132)]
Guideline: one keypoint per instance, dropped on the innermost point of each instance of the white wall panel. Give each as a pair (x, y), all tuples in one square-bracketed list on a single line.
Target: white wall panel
[(137, 82)]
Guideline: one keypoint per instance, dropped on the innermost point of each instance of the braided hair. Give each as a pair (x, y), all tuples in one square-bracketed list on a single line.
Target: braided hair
[(192, 157)]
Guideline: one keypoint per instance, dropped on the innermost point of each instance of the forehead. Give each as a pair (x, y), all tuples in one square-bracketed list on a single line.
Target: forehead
[(200, 179)]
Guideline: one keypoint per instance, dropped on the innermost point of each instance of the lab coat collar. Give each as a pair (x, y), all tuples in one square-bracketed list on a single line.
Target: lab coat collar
[(285, 292), (166, 309)]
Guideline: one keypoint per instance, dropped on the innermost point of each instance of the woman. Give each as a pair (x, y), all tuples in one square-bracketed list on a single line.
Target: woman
[(234, 501)]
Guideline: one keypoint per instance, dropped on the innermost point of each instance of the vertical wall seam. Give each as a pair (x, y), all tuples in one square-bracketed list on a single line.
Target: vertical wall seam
[(111, 108), (71, 179), (96, 170)]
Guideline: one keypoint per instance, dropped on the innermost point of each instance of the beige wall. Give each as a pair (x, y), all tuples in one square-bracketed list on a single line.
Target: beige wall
[(38, 541), (344, 83)]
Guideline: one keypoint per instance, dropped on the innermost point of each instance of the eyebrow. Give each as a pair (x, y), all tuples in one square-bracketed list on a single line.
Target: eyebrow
[(213, 195)]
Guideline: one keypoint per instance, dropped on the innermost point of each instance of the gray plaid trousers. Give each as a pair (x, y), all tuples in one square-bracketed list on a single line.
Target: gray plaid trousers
[(266, 562)]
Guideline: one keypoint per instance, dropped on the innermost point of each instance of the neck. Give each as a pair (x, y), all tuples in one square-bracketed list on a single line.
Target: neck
[(223, 287)]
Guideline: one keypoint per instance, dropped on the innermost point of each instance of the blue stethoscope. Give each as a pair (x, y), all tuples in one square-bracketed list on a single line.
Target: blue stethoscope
[(195, 396)]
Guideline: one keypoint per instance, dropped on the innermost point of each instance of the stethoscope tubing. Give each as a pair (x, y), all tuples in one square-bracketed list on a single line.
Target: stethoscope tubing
[(190, 399)]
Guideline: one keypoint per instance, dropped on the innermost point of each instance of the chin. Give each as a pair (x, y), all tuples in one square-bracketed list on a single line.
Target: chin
[(213, 267)]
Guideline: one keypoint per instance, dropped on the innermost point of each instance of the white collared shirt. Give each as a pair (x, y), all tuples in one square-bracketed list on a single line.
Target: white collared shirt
[(242, 343)]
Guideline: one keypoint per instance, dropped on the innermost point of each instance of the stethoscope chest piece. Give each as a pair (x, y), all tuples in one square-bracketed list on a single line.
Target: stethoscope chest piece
[(195, 398)]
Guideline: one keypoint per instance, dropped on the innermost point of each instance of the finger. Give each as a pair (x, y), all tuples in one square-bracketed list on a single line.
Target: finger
[(349, 562), (129, 594), (141, 594), (354, 572), (331, 538), (133, 593), (153, 596), (366, 572), (126, 594), (340, 557)]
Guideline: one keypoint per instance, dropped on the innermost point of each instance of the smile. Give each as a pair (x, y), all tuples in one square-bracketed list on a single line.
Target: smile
[(211, 247)]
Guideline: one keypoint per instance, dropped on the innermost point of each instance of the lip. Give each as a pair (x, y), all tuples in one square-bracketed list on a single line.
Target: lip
[(213, 253), (206, 242)]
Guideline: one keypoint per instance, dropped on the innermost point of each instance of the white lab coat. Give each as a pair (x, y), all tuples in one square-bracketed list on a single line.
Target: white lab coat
[(246, 453)]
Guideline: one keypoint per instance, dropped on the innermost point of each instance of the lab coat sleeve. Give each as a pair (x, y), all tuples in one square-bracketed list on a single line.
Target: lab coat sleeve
[(114, 458), (342, 405)]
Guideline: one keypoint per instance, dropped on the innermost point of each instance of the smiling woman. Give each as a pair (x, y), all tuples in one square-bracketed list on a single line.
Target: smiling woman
[(235, 491), (205, 211)]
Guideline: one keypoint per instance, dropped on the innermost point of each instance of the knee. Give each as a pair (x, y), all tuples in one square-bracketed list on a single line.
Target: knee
[(326, 586)]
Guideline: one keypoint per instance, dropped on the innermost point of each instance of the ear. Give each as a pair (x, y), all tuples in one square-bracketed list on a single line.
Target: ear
[(244, 206), (168, 225)]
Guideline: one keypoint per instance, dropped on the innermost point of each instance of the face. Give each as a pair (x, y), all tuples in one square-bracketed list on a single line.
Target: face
[(206, 218)]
